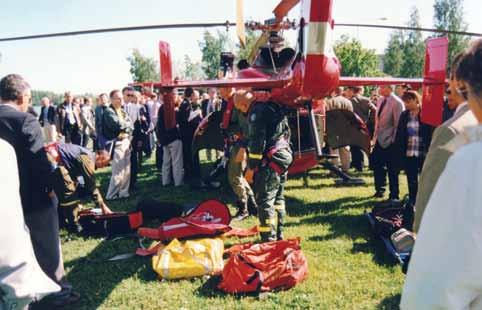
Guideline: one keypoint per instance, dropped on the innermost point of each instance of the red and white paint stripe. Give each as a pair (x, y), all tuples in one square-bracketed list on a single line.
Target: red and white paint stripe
[(322, 69)]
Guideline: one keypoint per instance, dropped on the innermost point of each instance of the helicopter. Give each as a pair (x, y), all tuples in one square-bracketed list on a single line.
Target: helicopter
[(299, 79)]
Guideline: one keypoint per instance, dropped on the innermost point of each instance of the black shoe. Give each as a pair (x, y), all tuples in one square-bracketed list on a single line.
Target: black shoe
[(241, 215), (378, 194)]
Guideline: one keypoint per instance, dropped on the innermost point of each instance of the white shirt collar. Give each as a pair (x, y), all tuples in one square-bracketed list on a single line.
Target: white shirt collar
[(463, 104)]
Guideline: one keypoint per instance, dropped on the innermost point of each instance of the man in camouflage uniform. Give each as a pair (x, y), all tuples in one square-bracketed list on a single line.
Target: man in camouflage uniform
[(70, 162), (238, 139), (269, 157)]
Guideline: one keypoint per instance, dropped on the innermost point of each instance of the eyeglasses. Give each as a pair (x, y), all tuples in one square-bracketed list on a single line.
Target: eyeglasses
[(130, 95)]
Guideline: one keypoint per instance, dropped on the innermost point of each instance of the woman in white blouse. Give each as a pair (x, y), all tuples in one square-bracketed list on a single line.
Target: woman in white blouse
[(445, 271)]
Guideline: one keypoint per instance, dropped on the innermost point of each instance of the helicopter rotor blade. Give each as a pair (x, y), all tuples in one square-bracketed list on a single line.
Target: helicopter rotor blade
[(225, 24), (283, 8), (119, 29), (463, 33), (240, 27)]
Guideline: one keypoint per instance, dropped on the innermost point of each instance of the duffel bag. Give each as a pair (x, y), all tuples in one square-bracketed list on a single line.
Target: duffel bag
[(264, 267), (209, 218), (93, 222), (191, 258), (387, 220)]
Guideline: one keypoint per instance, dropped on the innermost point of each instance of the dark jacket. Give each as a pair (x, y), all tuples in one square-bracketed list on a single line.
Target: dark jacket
[(50, 116), (166, 136), (62, 117), (113, 126), (141, 127), (401, 138), (23, 132)]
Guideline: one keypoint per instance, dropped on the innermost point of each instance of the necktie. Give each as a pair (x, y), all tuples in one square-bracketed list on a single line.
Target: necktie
[(381, 107)]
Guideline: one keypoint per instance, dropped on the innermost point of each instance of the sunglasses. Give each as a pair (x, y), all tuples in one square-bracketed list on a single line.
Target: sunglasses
[(130, 95)]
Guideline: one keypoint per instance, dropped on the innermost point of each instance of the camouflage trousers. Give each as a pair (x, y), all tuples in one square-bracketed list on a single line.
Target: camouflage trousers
[(66, 188), (236, 176), (269, 187)]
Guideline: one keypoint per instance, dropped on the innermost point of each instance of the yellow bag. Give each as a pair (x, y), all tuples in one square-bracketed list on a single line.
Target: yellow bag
[(191, 258)]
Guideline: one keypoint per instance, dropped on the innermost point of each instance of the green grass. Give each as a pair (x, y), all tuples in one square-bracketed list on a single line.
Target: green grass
[(348, 269)]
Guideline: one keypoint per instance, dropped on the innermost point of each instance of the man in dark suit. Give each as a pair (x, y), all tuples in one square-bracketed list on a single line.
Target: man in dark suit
[(47, 120), (23, 132), (69, 122)]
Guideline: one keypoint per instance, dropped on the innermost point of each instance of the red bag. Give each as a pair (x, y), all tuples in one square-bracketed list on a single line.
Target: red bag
[(209, 218), (264, 267)]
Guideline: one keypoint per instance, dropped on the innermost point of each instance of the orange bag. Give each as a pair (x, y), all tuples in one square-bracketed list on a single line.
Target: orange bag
[(264, 267)]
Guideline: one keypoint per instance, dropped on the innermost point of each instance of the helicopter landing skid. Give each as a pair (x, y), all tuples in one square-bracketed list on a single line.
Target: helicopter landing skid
[(344, 178)]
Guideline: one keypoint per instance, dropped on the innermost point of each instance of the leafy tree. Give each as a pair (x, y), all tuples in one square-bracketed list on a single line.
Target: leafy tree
[(37, 95), (143, 69), (251, 38), (413, 48), (393, 58), (192, 70), (356, 60), (405, 53), (211, 47), (449, 15)]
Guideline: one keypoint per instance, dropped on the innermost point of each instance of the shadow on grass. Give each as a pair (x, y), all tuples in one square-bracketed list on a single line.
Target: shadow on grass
[(95, 278), (296, 207), (390, 303)]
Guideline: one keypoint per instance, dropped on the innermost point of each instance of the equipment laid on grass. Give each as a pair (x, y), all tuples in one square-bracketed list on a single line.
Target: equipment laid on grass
[(160, 210), (403, 240), (209, 218), (264, 267), (391, 224), (93, 222), (188, 259)]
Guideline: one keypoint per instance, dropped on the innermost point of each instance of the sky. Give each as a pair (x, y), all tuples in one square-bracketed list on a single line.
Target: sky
[(97, 63)]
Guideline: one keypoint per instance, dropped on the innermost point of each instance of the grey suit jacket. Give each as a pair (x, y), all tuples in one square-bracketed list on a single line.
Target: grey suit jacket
[(438, 156), (387, 121)]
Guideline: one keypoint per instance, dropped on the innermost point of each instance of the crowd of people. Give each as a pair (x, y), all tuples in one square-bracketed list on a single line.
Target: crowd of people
[(58, 151)]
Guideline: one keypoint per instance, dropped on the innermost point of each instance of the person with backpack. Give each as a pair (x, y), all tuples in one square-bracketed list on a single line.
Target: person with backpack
[(117, 126), (269, 157)]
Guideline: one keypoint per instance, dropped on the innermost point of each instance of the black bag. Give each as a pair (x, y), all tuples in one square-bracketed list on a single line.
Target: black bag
[(118, 223), (387, 220), (160, 210)]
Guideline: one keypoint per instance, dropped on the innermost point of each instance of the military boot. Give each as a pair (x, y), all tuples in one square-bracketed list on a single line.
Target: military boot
[(242, 211), (252, 206)]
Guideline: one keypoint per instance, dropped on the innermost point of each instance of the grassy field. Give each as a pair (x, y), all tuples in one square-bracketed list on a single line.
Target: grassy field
[(348, 269)]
